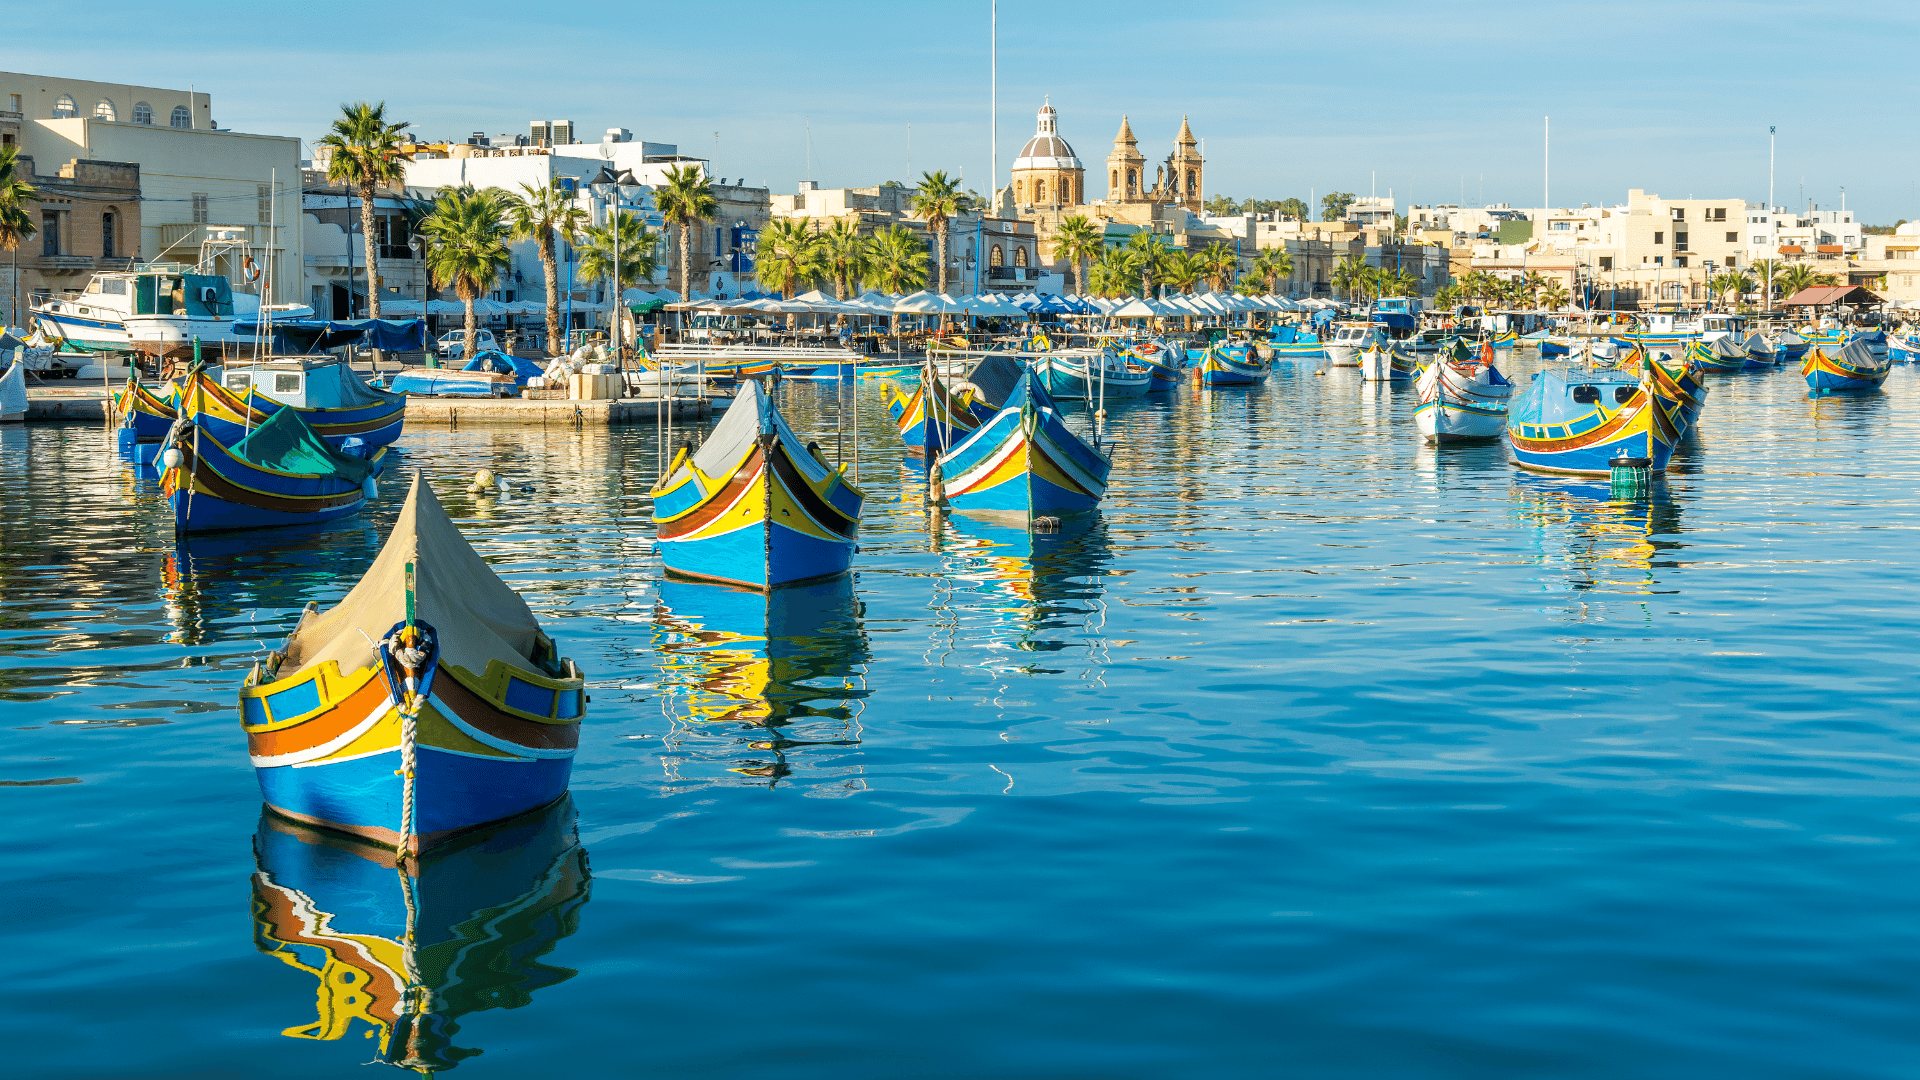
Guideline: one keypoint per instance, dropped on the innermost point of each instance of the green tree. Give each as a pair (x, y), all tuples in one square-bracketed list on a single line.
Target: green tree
[(1222, 205), (16, 225), (467, 235), (1272, 265), (1220, 263), (1148, 257), (1352, 275), (1079, 241), (897, 260), (1294, 209), (1554, 296), (639, 255), (937, 200), (365, 153), (1797, 277), (1182, 270), (541, 213), (1766, 272), (843, 254), (789, 254), (1333, 206), (686, 199), (1114, 273)]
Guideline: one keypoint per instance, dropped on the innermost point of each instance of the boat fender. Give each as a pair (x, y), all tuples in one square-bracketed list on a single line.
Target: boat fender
[(171, 458), (369, 489), (482, 480)]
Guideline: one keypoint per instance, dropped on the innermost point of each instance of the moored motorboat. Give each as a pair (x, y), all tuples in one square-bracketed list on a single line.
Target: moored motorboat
[(491, 374), (754, 505), (1462, 397), (1903, 349), (426, 704), (280, 473), (1576, 421), (1850, 369), (1025, 462), (1347, 341)]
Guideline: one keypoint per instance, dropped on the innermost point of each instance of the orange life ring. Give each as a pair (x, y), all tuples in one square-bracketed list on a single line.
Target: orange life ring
[(250, 269)]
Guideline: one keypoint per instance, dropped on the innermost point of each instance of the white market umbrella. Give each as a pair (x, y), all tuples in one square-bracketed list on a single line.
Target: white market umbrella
[(1134, 308)]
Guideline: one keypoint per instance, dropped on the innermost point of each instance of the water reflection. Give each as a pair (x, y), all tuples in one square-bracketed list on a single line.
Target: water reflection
[(786, 665), (1028, 585), (1602, 543), (212, 579), (402, 957)]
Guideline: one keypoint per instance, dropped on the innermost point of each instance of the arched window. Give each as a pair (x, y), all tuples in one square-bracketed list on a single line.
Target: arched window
[(106, 233), (63, 107), (1113, 181), (1039, 191), (997, 257), (182, 117), (142, 113), (1193, 182), (1133, 181), (105, 111), (1020, 256)]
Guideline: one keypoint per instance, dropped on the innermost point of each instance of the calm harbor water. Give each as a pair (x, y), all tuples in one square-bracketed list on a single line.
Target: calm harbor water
[(1319, 753)]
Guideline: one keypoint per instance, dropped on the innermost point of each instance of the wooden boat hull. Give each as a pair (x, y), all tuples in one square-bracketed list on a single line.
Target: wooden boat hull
[(1312, 352), (1826, 373), (1459, 404), (1025, 462), (1067, 379), (1659, 410), (1551, 348), (1902, 350), (1220, 369), (229, 418), (928, 432), (213, 491), (1387, 365)]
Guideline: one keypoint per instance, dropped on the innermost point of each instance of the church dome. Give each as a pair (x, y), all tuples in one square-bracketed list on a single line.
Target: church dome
[(1047, 150)]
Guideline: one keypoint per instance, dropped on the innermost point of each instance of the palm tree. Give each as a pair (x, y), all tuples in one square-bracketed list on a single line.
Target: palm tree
[(1530, 285), (639, 257), (1183, 270), (789, 254), (1113, 273), (1767, 273), (1797, 277), (1220, 263), (1350, 275), (16, 225), (1733, 284), (1554, 296), (467, 237), (1079, 241), (686, 198), (843, 253), (366, 153), (1273, 264), (938, 199), (540, 213), (896, 260), (1148, 257)]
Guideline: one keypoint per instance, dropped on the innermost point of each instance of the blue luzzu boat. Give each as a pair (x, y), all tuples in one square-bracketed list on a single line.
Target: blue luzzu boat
[(1221, 367), (146, 419), (1081, 376), (1166, 364), (1903, 350), (1852, 369), (929, 430), (402, 949), (1721, 356), (334, 401), (1791, 346), (1575, 422), (279, 474), (1025, 462), (426, 704), (754, 505)]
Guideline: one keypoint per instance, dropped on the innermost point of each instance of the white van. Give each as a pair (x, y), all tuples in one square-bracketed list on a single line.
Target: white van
[(454, 342)]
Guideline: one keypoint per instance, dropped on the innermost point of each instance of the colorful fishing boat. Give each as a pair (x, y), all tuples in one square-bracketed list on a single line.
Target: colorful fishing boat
[(1761, 354), (1025, 461), (1721, 356), (1462, 397), (1851, 369), (281, 473), (1504, 341), (145, 420), (1387, 362), (927, 431), (426, 704), (1791, 346), (1088, 376), (754, 505), (401, 949), (1551, 347), (334, 401), (1576, 422), (1222, 367), (1166, 364), (1903, 349)]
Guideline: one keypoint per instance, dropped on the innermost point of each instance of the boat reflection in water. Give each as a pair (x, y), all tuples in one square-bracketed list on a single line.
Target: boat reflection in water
[(215, 580), (1605, 544), (786, 663), (402, 952), (1029, 583)]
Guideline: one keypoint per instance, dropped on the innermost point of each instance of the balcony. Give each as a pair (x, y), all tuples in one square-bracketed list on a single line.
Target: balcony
[(65, 264), (178, 238), (1013, 273)]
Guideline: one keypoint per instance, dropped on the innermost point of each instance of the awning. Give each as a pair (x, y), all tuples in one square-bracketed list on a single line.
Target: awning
[(1394, 320)]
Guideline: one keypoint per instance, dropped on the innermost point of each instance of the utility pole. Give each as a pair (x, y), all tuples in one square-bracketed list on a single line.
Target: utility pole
[(993, 99)]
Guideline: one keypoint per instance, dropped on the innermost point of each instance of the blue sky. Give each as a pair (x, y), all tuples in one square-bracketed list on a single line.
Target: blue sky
[(1428, 100)]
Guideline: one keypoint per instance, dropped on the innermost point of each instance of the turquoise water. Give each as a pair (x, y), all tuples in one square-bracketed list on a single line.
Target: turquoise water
[(1320, 753)]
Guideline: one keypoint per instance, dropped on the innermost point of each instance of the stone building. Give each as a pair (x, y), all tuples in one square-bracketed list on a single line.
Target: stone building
[(88, 217), (1048, 172)]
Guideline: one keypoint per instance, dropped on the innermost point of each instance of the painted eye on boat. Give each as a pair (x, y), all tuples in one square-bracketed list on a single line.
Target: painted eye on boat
[(1622, 394), (1586, 395)]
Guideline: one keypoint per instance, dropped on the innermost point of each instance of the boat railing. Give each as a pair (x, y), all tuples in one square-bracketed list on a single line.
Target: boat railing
[(807, 353)]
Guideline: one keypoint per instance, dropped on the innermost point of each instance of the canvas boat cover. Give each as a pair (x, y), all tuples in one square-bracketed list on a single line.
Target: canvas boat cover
[(751, 413), (994, 377), (1758, 344), (284, 443), (1729, 348), (501, 363), (1857, 355), (478, 616), (1789, 339)]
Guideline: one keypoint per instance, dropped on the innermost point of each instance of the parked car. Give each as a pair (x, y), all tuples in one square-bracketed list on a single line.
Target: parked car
[(454, 342)]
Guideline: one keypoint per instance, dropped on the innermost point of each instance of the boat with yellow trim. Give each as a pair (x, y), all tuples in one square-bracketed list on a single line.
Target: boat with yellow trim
[(330, 396), (281, 473), (1851, 368), (1025, 461), (1576, 421), (425, 704), (754, 505)]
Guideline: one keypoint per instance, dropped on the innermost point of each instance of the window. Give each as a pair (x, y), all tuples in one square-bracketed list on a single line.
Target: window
[(1133, 181), (142, 113), (263, 202), (13, 102), (1659, 238), (105, 111), (1733, 238), (1606, 262), (1039, 191), (1680, 261), (1586, 395), (284, 383), (49, 232), (1193, 183), (1733, 261), (1659, 260), (182, 117), (106, 235), (1113, 181), (1020, 256), (1758, 239), (200, 208), (1718, 213), (64, 108), (997, 257), (1622, 394), (1679, 241), (1679, 213)]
